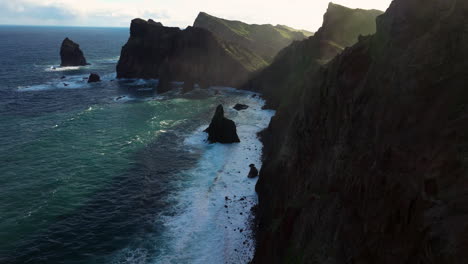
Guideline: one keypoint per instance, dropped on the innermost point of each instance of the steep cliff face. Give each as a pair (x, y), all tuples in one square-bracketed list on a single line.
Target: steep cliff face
[(265, 40), (341, 28), (373, 168), (193, 54)]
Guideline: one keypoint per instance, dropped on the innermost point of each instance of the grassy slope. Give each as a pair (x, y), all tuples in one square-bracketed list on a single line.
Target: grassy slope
[(341, 28), (264, 40)]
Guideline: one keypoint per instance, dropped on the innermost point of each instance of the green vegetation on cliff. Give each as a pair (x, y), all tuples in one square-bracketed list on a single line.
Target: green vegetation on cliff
[(195, 55), (264, 40), (341, 28)]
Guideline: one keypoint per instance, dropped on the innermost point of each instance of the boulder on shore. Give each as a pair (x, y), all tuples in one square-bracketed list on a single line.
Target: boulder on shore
[(253, 171), (240, 107), (71, 54), (93, 77), (221, 129)]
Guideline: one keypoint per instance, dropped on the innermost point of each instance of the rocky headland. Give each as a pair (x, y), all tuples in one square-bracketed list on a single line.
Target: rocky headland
[(372, 167), (193, 55)]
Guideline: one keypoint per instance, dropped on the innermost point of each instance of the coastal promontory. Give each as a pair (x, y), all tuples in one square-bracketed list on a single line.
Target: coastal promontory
[(193, 54)]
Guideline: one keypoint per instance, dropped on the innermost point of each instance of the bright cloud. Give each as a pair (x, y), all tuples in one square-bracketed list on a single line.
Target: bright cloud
[(306, 14)]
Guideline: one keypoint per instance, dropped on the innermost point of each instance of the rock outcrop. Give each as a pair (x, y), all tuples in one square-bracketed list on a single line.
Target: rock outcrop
[(191, 54), (373, 163), (265, 40), (221, 129), (164, 84), (93, 78), (71, 54), (188, 86), (341, 28)]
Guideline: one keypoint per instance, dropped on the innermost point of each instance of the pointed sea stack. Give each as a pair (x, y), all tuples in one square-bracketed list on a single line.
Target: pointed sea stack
[(221, 129), (71, 54)]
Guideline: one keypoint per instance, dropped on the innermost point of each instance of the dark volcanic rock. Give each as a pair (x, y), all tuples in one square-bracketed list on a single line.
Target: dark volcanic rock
[(189, 85), (192, 54), (240, 107), (253, 173), (164, 83), (221, 129), (71, 54), (93, 77), (372, 165)]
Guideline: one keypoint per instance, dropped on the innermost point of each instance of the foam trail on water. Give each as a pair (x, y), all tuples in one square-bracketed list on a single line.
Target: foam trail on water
[(63, 69), (207, 227)]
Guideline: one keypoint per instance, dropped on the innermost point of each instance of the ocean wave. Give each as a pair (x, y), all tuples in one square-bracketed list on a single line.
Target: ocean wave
[(66, 82), (75, 82), (63, 69)]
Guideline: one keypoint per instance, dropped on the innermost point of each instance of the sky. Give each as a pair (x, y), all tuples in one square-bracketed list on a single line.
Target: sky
[(300, 14)]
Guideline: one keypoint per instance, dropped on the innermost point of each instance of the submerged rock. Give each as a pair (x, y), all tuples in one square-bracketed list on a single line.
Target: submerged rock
[(93, 77), (240, 107), (71, 54), (221, 129)]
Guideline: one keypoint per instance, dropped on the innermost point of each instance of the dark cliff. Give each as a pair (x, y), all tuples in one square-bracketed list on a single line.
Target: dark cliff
[(71, 54), (373, 165), (341, 28), (265, 40), (193, 55)]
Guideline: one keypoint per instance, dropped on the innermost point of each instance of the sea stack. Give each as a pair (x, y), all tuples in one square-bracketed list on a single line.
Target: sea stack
[(221, 129), (71, 54)]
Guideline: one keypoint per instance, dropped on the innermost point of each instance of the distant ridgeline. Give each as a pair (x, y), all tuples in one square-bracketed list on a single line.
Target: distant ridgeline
[(264, 40), (341, 28), (213, 52)]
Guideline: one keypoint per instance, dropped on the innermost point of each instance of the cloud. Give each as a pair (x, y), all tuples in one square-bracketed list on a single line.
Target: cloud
[(30, 12), (297, 13)]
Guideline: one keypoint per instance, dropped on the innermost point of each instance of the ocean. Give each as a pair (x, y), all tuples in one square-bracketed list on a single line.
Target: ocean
[(99, 173)]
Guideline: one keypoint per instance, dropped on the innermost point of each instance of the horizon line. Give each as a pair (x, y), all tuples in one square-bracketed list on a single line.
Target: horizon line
[(63, 26)]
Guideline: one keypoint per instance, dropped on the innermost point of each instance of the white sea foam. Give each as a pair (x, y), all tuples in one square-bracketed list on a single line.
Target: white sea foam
[(63, 69), (70, 82), (208, 228)]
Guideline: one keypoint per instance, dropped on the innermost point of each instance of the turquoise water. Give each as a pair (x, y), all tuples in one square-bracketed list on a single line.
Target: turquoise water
[(99, 173), (76, 155)]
